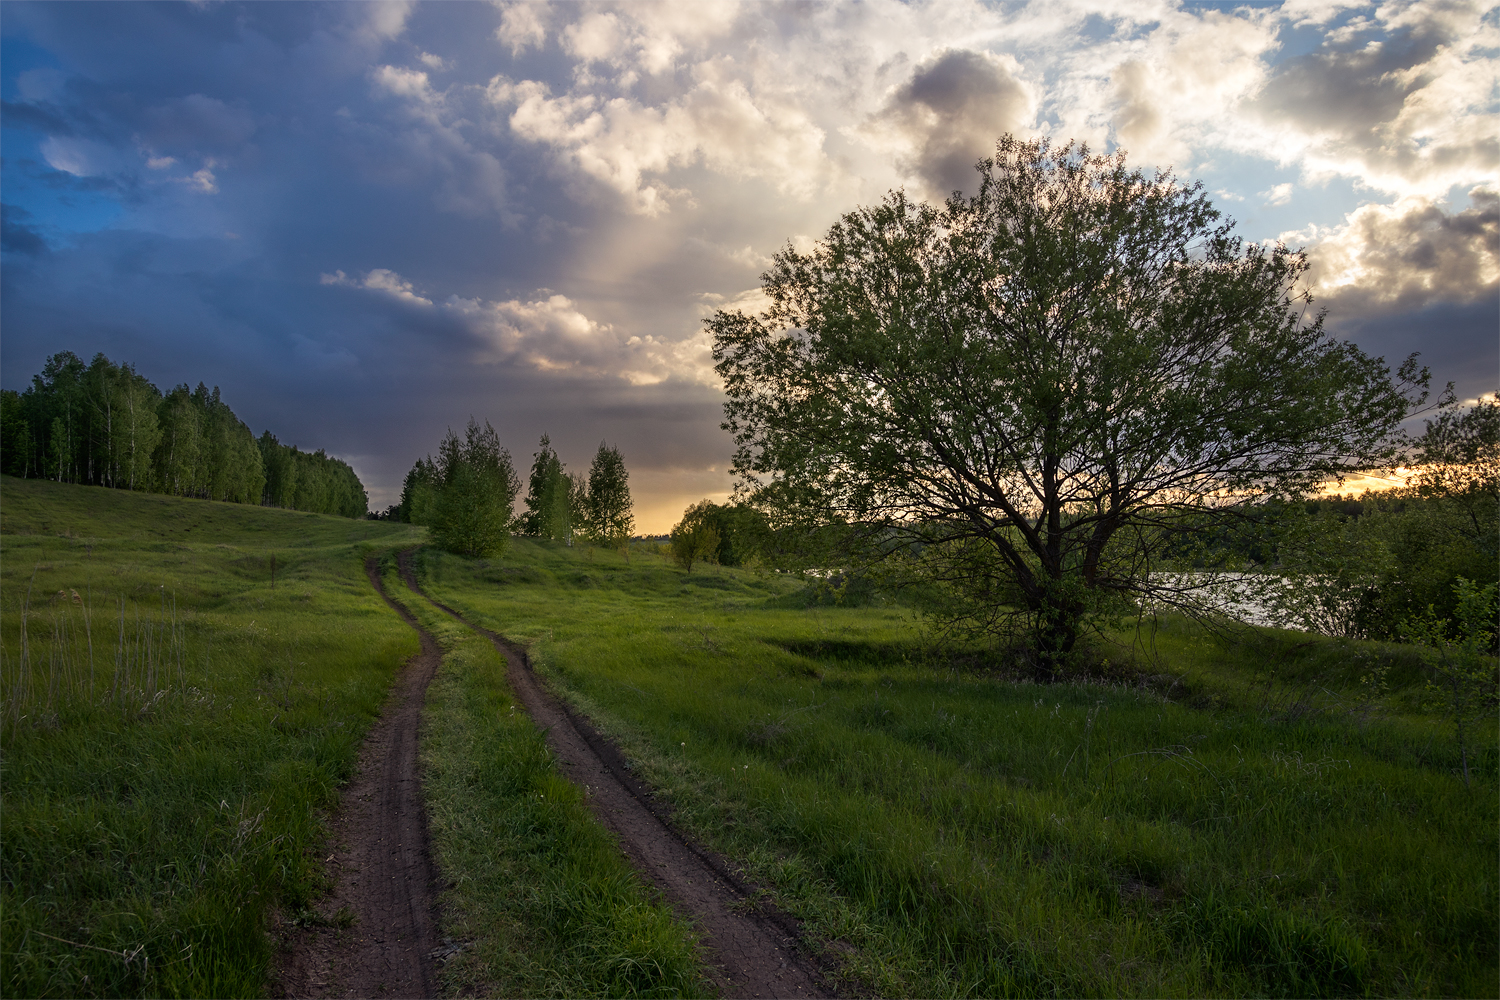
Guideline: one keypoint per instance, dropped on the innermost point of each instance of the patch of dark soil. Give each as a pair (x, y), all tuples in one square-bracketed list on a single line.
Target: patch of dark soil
[(754, 950), (375, 934)]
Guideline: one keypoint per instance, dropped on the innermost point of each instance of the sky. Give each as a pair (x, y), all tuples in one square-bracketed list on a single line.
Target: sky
[(367, 222)]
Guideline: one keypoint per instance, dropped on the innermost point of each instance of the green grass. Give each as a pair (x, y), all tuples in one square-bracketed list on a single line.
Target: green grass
[(173, 733), (538, 891), (1205, 818)]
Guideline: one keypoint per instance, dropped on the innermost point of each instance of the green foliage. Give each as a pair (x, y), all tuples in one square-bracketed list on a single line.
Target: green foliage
[(1067, 369), (1330, 571), (419, 493), (1194, 817), (1458, 650), (550, 511), (475, 487), (611, 516), (1362, 568), (174, 730), (744, 534), (311, 481), (105, 424), (696, 537)]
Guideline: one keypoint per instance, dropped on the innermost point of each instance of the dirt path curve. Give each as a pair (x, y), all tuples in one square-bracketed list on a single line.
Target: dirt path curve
[(753, 949), (381, 864)]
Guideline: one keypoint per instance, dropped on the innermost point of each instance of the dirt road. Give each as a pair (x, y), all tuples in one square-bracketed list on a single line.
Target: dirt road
[(381, 863), (752, 948)]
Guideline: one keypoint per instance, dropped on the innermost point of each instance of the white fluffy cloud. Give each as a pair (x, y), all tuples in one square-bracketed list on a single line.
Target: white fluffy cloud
[(630, 147), (550, 333), (1402, 100), (1408, 255)]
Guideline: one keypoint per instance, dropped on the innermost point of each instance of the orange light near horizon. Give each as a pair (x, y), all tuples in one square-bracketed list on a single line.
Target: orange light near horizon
[(1394, 480)]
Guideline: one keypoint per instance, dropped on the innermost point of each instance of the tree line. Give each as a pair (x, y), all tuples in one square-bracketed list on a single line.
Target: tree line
[(467, 494), (105, 424)]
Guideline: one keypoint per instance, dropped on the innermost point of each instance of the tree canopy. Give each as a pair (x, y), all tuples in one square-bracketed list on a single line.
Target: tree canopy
[(611, 512), (1022, 394), (473, 485), (696, 538)]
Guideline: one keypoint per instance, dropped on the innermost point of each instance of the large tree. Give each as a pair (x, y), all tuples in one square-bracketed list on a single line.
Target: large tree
[(1026, 392)]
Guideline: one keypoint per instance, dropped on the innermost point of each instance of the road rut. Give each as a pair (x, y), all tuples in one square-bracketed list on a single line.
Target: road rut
[(753, 949), (381, 863)]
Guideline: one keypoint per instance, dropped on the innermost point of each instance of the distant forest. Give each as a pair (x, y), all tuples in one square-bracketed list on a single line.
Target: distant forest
[(105, 424)]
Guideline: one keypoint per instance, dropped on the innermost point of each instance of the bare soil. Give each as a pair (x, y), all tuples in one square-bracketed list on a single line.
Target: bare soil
[(375, 934), (754, 950)]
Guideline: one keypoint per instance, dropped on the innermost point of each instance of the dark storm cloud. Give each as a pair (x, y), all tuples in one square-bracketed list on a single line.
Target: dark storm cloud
[(282, 167), (1346, 90), (16, 233), (950, 113), (1456, 340), (1420, 278)]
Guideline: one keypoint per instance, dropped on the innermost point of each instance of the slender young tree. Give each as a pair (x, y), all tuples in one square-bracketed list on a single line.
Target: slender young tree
[(547, 512), (611, 511)]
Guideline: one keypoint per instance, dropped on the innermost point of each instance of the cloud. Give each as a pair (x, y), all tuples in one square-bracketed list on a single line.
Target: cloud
[(1409, 255), (523, 25), (1403, 101), (411, 84), (551, 334), (649, 37), (386, 19), (1171, 89), (202, 179), (195, 125), (949, 113), (17, 234), (379, 280), (1278, 195), (631, 148), (435, 141)]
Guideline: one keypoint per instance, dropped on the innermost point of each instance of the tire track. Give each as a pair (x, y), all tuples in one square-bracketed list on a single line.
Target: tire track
[(381, 863), (754, 949)]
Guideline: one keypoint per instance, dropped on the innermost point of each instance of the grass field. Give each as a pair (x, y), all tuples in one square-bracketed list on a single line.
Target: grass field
[(1197, 817), (174, 728), (173, 724), (1200, 818)]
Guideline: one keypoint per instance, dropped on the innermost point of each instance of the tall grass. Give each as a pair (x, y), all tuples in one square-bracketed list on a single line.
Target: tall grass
[(1198, 818), (140, 658), (174, 730)]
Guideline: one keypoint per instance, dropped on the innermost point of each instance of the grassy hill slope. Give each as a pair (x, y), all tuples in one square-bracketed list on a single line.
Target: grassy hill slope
[(173, 722)]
